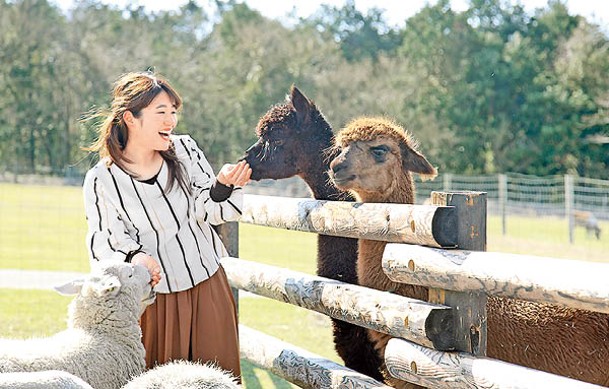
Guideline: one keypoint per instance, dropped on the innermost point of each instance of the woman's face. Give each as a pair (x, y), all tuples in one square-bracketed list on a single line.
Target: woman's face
[(153, 127)]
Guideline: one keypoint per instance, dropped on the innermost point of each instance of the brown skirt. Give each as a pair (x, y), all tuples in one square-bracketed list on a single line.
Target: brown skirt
[(195, 324)]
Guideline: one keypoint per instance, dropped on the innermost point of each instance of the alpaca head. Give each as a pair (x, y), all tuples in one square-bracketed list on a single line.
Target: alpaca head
[(291, 137), (377, 157), (114, 293)]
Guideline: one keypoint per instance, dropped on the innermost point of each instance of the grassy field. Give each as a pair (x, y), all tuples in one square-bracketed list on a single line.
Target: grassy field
[(546, 236), (43, 228)]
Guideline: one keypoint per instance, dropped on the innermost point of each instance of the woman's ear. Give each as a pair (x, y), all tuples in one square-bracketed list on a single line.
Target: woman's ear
[(128, 118)]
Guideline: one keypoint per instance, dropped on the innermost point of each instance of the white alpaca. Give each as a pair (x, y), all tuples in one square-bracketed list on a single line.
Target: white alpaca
[(102, 344), (51, 379), (172, 375), (184, 375)]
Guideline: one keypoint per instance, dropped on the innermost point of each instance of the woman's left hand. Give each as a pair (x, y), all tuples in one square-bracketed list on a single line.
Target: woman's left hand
[(235, 174), (151, 264)]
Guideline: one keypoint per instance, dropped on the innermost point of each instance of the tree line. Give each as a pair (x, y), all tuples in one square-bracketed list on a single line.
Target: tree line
[(486, 90)]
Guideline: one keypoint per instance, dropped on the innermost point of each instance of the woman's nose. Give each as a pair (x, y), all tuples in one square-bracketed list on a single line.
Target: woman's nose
[(170, 120)]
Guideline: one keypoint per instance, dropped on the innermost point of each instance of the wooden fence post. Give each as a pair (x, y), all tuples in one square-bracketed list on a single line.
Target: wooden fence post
[(469, 307), (229, 233), (569, 205), (447, 182), (503, 200)]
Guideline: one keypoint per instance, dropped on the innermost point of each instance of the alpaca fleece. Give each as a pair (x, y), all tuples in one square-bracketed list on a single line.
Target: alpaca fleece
[(102, 344), (294, 139), (376, 160), (184, 375), (51, 379)]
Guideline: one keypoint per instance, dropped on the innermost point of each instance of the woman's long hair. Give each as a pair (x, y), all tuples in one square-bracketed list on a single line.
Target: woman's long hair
[(134, 92)]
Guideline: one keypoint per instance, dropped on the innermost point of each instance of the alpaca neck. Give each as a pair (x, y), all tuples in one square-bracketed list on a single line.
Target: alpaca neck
[(316, 175), (120, 323), (370, 272), (369, 267), (322, 189), (370, 257), (401, 191)]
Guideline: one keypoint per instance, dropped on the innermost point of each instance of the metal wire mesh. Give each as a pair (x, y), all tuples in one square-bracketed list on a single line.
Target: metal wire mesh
[(520, 194)]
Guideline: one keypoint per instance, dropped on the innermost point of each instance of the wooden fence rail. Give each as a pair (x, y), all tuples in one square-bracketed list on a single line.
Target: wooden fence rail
[(299, 366), (422, 322), (576, 284), (459, 281), (458, 370), (427, 225)]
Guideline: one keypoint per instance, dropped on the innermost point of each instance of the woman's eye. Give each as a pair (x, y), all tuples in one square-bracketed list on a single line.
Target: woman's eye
[(278, 142)]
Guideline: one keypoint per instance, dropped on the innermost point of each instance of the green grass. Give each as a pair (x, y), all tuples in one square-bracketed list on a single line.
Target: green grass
[(27, 313), (546, 236), (43, 227), (274, 246)]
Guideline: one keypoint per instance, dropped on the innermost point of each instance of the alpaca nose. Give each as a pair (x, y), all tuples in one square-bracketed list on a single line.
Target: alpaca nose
[(252, 151), (249, 149), (337, 167), (252, 157), (338, 164)]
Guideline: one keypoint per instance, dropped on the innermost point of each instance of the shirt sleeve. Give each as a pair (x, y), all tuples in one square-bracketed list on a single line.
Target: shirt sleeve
[(107, 238), (202, 179)]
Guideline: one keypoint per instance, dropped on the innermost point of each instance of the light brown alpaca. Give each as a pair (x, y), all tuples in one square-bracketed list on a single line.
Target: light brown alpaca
[(375, 164)]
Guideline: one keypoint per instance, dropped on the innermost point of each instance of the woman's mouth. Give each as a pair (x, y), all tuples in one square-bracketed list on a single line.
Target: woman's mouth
[(165, 134)]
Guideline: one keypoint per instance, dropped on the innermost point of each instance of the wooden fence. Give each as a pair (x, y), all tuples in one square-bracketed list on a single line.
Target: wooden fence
[(441, 246)]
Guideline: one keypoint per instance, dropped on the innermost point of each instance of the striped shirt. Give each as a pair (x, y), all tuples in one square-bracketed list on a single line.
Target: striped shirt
[(126, 215)]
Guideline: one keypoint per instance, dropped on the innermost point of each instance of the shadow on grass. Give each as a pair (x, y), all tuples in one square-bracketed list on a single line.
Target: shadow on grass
[(256, 378)]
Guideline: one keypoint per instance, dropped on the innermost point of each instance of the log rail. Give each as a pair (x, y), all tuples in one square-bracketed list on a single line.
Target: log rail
[(442, 246)]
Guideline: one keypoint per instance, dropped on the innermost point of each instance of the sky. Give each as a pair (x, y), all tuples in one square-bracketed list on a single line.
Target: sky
[(396, 11)]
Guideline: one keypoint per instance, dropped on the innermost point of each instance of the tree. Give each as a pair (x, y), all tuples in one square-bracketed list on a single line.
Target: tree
[(360, 36), (37, 132), (491, 81), (490, 89)]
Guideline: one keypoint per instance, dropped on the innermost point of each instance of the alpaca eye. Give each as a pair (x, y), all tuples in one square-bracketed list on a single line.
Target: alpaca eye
[(379, 152), (278, 142)]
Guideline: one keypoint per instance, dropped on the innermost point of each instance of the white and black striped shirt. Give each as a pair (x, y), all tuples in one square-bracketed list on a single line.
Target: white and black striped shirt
[(126, 215)]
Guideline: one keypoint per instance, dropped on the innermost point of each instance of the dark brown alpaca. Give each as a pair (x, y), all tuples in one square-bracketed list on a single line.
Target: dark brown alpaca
[(294, 139), (375, 163)]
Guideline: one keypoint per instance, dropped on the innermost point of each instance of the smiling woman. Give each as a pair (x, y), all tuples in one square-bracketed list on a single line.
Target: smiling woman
[(144, 110), (151, 200), (152, 127)]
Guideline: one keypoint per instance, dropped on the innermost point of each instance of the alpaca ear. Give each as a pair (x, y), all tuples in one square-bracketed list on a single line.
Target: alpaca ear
[(70, 288), (415, 162), (302, 105)]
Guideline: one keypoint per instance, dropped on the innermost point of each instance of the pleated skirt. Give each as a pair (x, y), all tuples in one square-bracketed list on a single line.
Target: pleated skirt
[(199, 324)]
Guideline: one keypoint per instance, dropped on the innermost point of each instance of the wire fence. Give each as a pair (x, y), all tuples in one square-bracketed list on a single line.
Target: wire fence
[(525, 194), (507, 194), (510, 193)]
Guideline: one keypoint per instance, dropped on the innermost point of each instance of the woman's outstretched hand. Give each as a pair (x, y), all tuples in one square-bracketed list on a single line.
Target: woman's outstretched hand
[(235, 174), (151, 264)]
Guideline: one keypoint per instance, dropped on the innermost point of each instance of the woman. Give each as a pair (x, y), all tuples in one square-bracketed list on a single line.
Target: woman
[(151, 200)]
